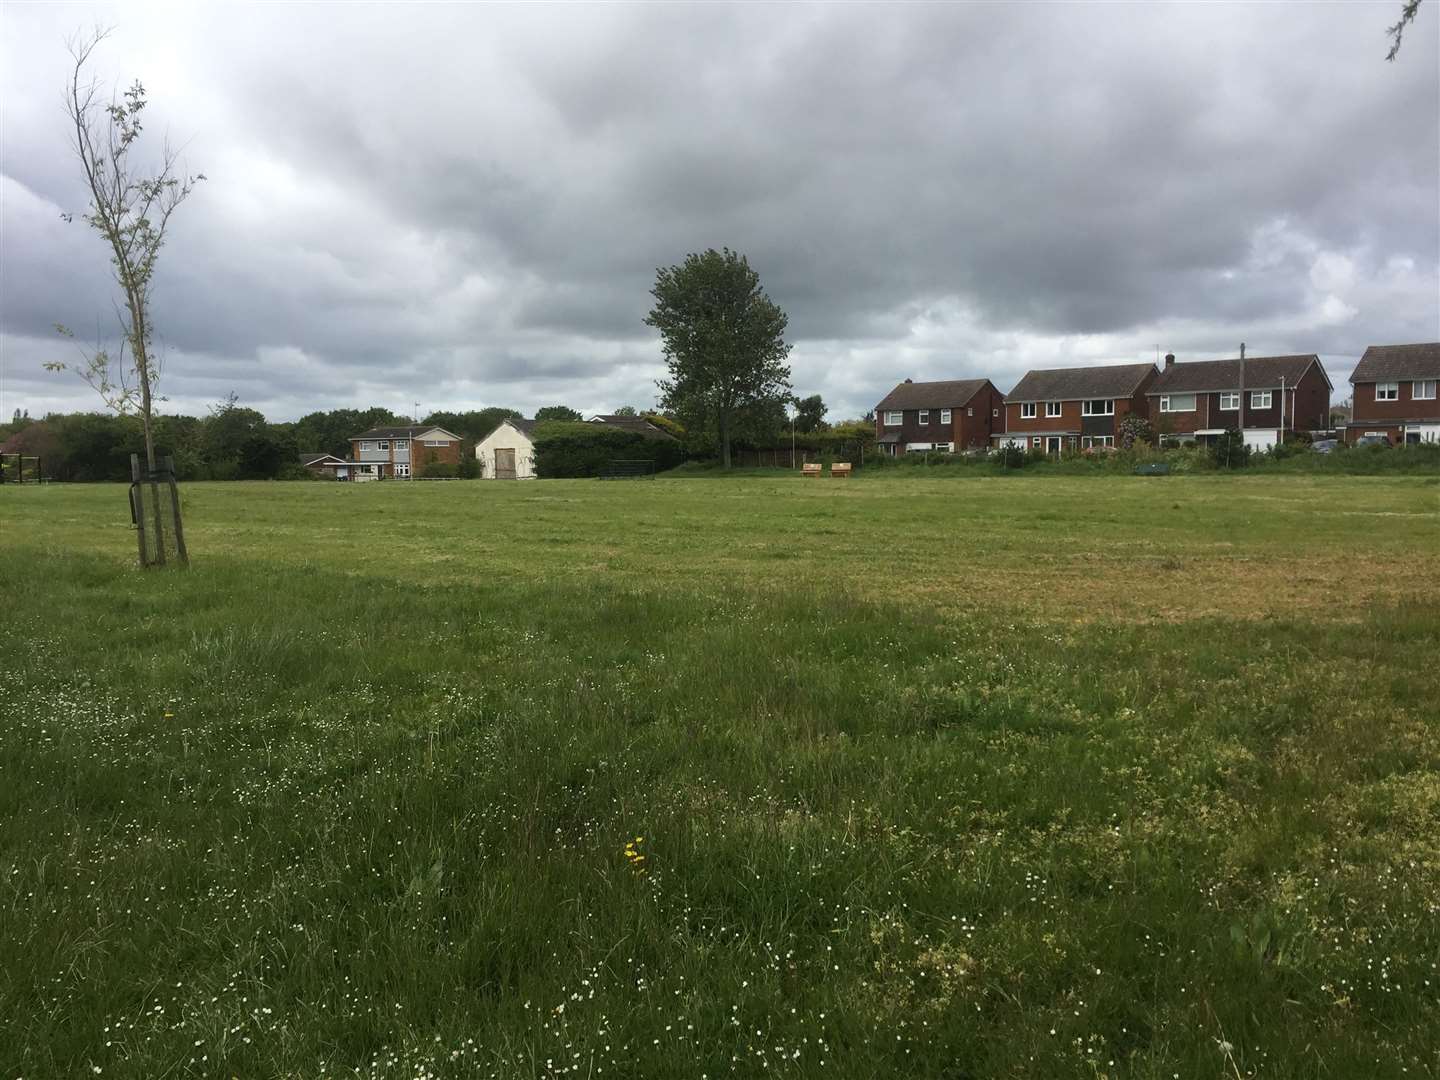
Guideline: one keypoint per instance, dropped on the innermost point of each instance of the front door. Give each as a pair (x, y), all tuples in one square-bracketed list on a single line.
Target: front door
[(505, 464), (1052, 444)]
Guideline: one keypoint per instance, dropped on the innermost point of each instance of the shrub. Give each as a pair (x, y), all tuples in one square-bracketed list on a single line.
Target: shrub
[(567, 449), (1010, 456), (439, 470), (1135, 429), (1229, 451)]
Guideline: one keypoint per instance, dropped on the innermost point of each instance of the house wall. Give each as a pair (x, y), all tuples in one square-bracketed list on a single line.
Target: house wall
[(976, 430), (911, 430), (506, 437), (446, 454), (1307, 408), (1406, 408)]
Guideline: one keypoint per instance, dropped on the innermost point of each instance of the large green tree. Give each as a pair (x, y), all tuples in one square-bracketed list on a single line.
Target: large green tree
[(724, 342), (810, 414), (557, 412)]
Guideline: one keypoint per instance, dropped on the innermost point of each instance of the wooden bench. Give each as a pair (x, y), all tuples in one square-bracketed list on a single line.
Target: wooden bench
[(840, 468), (811, 468)]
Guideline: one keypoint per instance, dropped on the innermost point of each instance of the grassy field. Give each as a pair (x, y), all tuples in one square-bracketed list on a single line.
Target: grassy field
[(965, 778)]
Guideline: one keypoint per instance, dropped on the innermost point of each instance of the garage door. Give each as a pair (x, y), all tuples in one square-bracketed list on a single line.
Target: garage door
[(1259, 439)]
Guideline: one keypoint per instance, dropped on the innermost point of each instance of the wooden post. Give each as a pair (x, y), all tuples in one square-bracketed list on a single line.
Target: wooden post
[(137, 507), (175, 503)]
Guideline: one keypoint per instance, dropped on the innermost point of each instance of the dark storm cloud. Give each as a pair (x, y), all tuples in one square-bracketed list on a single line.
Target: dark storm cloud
[(468, 204)]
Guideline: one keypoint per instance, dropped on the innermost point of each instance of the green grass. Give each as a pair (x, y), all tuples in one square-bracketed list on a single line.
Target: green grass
[(972, 777)]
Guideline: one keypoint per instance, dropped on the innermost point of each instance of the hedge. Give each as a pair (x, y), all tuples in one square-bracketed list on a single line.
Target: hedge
[(569, 449)]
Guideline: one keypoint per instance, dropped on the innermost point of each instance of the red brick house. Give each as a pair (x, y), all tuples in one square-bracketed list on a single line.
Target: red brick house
[(1059, 409), (401, 451), (1196, 401), (943, 416), (1395, 394)]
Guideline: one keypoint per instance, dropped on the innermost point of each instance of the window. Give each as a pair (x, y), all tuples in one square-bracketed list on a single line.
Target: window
[(944, 416), (402, 470), (924, 416), (995, 412), (1105, 407), (1096, 440), (383, 444), (943, 447), (1036, 441), (1259, 399), (437, 442), (402, 444), (892, 419), (1027, 410), (1422, 390), (1052, 408), (1229, 402), (1387, 391), (367, 446), (1177, 403), (970, 411)]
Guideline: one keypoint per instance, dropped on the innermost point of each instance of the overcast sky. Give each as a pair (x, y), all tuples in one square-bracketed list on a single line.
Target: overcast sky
[(464, 206)]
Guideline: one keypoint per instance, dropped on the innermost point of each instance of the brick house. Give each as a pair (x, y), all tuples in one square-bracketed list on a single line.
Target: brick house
[(1059, 409), (1394, 394), (943, 416), (401, 451), (1196, 401)]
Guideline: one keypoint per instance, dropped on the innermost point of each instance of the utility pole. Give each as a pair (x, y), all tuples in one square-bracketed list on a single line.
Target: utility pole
[(417, 412), (1242, 391)]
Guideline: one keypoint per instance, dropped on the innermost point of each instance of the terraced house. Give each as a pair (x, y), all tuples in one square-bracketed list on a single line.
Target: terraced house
[(1267, 398), (1058, 409), (945, 416), (402, 451), (1394, 394)]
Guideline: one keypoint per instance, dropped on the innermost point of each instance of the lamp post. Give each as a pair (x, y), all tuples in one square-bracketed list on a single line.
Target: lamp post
[(794, 413)]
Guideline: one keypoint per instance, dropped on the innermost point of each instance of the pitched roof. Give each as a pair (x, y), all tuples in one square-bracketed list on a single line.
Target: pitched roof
[(1069, 384), (402, 431), (1206, 376), (637, 424), (931, 395), (310, 457), (1398, 362)]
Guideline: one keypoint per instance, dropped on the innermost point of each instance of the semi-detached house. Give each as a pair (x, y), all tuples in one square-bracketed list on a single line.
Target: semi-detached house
[(1395, 394), (1057, 409), (942, 416), (1265, 397)]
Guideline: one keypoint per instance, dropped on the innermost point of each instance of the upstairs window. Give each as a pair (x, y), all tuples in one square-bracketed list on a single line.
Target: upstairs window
[(1229, 402), (1387, 391), (383, 444), (1422, 390), (1027, 410), (1052, 408), (924, 416), (1098, 407), (944, 416), (1177, 403), (892, 419), (1260, 399), (970, 411)]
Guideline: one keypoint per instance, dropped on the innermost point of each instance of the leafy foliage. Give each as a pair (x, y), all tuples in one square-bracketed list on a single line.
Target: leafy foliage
[(724, 343), (1135, 429), (810, 414), (1229, 450), (576, 449), (557, 412)]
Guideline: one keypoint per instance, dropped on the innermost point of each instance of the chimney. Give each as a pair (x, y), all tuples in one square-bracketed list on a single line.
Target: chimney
[(909, 380), (1169, 360)]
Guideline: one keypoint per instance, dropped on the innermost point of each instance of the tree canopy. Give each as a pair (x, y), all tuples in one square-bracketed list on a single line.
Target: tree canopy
[(724, 344), (557, 412), (810, 414)]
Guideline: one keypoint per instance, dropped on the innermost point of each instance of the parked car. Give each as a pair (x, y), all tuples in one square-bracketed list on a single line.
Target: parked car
[(1325, 446), (1372, 440)]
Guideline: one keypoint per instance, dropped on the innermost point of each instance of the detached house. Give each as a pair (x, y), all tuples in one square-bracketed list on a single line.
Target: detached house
[(944, 416), (1197, 401), (403, 451), (1074, 408), (1395, 394)]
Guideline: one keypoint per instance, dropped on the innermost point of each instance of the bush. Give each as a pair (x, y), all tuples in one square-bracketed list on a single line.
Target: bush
[(1229, 451), (566, 449), (1010, 456), (439, 470)]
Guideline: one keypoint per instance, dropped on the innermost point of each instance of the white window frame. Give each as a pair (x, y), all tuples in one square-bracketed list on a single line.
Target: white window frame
[(945, 448), (1233, 397), (1052, 409), (402, 444), (970, 411), (1422, 390), (1096, 440), (383, 444), (1107, 407), (437, 442), (924, 417), (1167, 402), (995, 413), (945, 416), (1027, 410), (366, 446), (1387, 391), (401, 469), (1037, 440), (1260, 399), (894, 417)]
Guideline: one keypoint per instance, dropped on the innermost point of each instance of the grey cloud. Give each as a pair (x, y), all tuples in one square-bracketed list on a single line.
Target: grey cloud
[(472, 201)]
